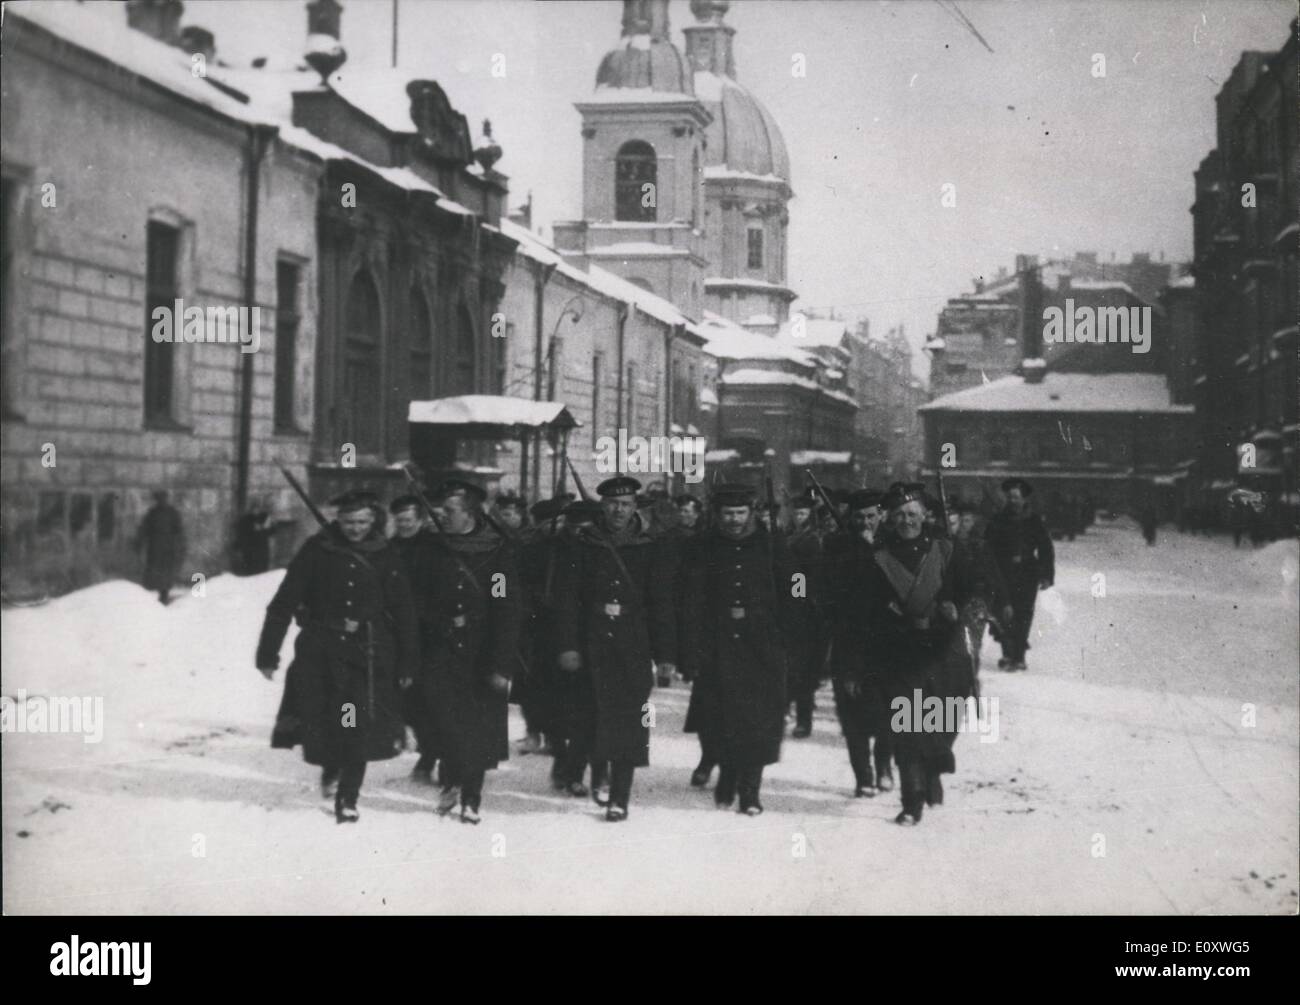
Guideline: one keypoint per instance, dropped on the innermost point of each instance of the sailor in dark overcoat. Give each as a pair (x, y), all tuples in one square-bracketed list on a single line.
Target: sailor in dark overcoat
[(546, 698), (740, 599), (357, 646), (473, 609), (1023, 551), (412, 541), (616, 620), (861, 701), (807, 636), (913, 591)]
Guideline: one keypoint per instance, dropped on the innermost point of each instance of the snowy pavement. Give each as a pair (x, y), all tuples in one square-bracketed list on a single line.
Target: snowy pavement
[(1147, 763)]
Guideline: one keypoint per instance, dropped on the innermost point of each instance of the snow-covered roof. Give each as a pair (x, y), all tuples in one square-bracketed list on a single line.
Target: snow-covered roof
[(741, 281), (1064, 392), (816, 332), (1101, 284), (1186, 282), (103, 30), (802, 458), (605, 95), (753, 376), (597, 279), (720, 172), (490, 409), (730, 341), (639, 249)]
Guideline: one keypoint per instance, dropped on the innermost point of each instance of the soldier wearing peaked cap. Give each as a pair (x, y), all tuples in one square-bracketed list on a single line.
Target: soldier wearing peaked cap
[(411, 542), (807, 638), (615, 620), (1023, 551), (472, 613), (861, 703), (357, 645), (539, 693), (910, 595), (738, 607)]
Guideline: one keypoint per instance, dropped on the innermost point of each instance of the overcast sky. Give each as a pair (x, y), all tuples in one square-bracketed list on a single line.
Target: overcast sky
[(898, 100)]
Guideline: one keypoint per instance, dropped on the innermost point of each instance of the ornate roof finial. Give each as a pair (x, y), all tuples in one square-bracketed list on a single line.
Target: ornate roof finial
[(488, 152), (707, 11)]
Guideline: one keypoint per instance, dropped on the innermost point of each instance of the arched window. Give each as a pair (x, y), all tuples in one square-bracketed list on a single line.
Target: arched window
[(463, 378), (420, 332), (635, 187), (362, 407)]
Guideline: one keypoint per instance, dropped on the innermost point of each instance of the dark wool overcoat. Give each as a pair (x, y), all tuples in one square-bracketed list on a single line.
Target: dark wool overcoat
[(341, 692), (738, 604), (620, 615)]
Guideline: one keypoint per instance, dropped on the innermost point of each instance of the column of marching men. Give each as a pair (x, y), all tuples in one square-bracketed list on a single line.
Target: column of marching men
[(578, 613)]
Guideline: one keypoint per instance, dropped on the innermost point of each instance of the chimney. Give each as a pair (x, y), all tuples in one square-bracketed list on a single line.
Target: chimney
[(709, 42), (199, 40), (523, 215), (646, 17), (325, 52), (160, 19), (1031, 306)]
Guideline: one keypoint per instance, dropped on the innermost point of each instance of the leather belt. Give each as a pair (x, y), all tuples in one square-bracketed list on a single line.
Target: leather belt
[(348, 625), (737, 614)]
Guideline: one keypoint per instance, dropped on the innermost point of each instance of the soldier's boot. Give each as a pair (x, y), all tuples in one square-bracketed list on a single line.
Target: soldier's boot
[(725, 794), (329, 782), (934, 789), (750, 781), (866, 785), (448, 800), (600, 784), (803, 719), (345, 814), (700, 776)]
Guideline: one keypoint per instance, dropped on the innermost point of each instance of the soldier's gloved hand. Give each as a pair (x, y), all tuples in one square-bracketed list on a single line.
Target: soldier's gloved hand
[(570, 660), (498, 683), (949, 610)]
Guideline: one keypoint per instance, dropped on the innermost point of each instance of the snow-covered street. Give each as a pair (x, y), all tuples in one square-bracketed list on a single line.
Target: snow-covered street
[(1126, 776)]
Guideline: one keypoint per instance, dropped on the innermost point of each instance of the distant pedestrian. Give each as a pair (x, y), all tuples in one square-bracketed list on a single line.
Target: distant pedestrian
[(161, 537), (1148, 521), (1026, 559)]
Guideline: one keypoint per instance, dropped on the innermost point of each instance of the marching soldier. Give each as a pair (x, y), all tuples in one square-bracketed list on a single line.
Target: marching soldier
[(358, 643), (913, 590), (472, 617), (861, 702), (738, 604), (1022, 549), (990, 600), (616, 618), (807, 635), (545, 696), (411, 542)]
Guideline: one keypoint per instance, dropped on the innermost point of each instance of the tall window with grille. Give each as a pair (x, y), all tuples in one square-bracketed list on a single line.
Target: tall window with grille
[(755, 246), (362, 404), (162, 243), (419, 330), (287, 320), (635, 183), (463, 379)]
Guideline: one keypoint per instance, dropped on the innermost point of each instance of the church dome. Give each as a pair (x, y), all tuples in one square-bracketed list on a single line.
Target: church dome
[(645, 63), (646, 58), (743, 136)]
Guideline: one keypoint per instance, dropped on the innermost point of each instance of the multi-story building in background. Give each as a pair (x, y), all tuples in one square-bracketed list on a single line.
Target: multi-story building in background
[(1246, 231)]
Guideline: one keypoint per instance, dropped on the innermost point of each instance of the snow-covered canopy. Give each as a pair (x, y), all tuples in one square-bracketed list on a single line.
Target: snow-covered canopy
[(491, 410)]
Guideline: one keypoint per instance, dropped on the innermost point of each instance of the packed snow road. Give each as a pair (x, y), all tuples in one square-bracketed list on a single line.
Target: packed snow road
[(1146, 763)]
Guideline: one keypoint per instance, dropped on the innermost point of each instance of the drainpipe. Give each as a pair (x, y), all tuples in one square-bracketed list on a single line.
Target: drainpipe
[(259, 139), (623, 312), (533, 443)]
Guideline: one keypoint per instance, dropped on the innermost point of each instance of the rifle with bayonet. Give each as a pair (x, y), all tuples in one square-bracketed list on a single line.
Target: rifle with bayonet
[(826, 501)]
